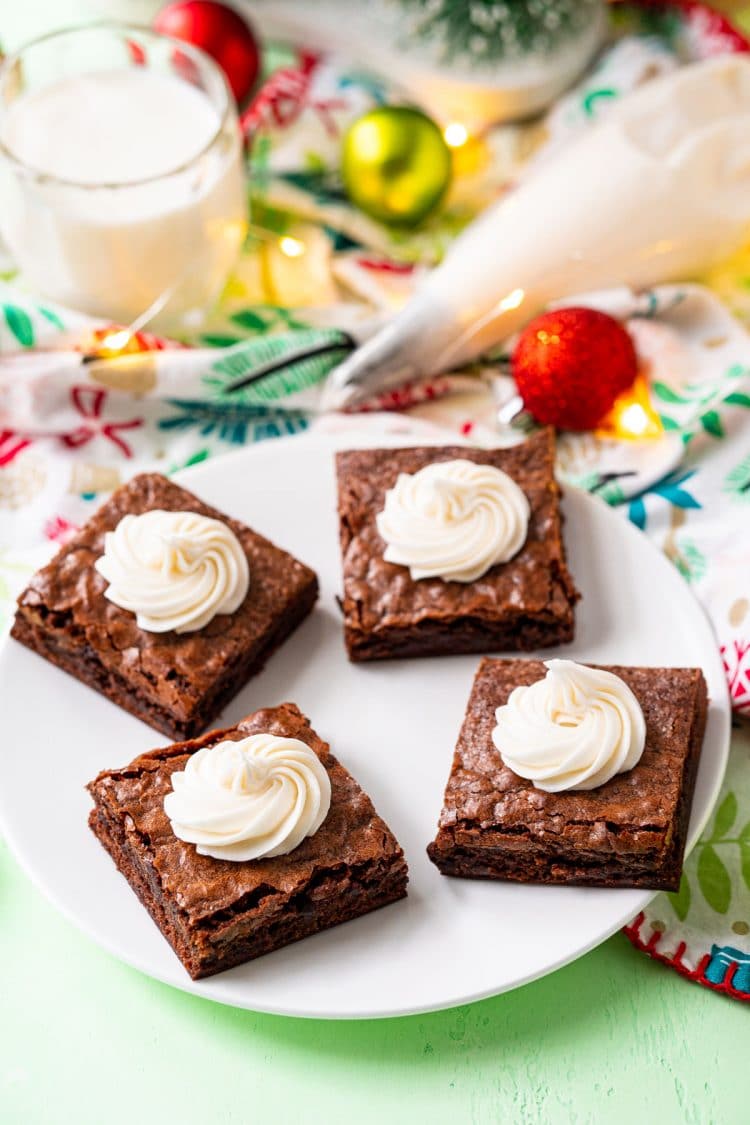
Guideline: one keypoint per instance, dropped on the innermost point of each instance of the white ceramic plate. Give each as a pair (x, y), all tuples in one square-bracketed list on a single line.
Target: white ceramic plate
[(394, 725)]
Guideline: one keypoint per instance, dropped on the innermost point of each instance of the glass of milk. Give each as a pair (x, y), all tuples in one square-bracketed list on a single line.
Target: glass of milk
[(122, 190)]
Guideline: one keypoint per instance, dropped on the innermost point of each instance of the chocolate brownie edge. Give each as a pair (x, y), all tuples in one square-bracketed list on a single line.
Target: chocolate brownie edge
[(364, 870)]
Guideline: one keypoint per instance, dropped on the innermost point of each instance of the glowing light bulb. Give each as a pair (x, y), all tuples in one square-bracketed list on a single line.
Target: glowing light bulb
[(634, 420), (292, 247), (455, 134), (116, 341), (113, 343), (632, 417)]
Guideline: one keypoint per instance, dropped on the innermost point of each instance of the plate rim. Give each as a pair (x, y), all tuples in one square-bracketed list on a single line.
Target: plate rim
[(331, 441)]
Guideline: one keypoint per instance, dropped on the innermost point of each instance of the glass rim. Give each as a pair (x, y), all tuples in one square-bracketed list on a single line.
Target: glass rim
[(199, 56)]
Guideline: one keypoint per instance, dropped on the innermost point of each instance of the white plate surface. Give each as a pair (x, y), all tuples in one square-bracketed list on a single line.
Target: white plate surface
[(394, 725)]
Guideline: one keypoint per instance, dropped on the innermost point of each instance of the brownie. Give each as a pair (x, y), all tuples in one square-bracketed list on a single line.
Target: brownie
[(177, 682), (523, 604), (629, 832), (218, 913)]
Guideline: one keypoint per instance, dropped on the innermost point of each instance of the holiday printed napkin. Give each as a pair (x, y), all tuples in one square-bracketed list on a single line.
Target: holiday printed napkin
[(70, 431)]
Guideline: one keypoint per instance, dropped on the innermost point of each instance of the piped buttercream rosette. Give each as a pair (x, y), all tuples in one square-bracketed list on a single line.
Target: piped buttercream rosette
[(453, 520), (574, 729), (174, 570), (251, 799)]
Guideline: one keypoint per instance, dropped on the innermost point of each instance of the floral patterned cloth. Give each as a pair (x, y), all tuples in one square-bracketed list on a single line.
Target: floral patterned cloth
[(70, 432)]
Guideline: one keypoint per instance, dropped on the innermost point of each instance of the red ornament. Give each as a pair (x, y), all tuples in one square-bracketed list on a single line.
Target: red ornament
[(571, 364), (220, 32)]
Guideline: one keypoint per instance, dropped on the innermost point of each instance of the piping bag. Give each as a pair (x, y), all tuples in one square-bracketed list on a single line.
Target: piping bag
[(657, 191)]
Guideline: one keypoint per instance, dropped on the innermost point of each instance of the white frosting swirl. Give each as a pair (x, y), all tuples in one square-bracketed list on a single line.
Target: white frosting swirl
[(174, 570), (453, 520), (250, 799), (574, 729)]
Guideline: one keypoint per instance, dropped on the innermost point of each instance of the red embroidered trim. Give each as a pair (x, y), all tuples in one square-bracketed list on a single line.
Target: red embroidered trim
[(674, 961)]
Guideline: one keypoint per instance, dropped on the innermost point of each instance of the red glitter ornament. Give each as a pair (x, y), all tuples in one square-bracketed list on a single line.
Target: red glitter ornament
[(220, 32), (571, 364)]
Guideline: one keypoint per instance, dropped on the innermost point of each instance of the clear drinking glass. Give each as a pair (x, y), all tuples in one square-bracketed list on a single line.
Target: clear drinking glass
[(153, 238)]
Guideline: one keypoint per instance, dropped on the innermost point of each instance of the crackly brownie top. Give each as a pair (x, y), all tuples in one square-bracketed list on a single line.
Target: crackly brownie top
[(68, 593), (379, 593), (484, 794), (351, 838)]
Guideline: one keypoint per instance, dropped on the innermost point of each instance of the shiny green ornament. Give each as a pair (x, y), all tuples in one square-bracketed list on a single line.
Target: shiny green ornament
[(395, 164)]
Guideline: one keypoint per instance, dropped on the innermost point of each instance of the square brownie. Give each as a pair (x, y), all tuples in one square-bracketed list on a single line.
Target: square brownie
[(218, 913), (629, 832), (176, 682), (526, 603)]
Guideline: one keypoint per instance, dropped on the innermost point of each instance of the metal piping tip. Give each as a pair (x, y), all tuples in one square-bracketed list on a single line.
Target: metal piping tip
[(339, 396), (358, 380), (394, 356)]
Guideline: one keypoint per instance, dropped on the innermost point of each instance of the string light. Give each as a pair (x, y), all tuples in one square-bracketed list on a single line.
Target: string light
[(632, 417), (469, 152), (292, 247), (116, 341), (110, 343), (288, 244), (634, 420), (455, 134)]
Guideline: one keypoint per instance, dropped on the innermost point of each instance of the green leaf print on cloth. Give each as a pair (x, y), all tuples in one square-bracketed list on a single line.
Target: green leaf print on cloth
[(726, 814), (714, 878), (738, 398), (711, 423), (50, 315), (696, 406), (255, 320), (20, 324), (235, 425), (681, 899), (262, 371), (689, 560), (737, 481), (262, 319), (744, 841)]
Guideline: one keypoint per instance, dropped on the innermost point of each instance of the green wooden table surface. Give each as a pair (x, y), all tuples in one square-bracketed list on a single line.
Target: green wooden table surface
[(614, 1038), (84, 1040)]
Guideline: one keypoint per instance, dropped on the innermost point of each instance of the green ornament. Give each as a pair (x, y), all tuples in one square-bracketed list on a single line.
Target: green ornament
[(395, 164)]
